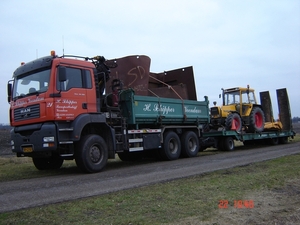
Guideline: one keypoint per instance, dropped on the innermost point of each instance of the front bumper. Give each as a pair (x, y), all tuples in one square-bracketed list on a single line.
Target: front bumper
[(34, 140)]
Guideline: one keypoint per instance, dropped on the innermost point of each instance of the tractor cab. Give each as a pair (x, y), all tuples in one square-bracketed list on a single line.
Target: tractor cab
[(239, 109), (238, 99)]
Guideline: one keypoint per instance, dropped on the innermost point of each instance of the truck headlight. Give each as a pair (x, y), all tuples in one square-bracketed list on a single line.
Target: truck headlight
[(48, 139)]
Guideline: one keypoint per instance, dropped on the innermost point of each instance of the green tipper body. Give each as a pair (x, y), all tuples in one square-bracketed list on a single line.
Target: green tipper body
[(148, 110)]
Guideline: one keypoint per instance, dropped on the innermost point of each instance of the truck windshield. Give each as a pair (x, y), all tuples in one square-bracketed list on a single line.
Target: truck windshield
[(31, 84)]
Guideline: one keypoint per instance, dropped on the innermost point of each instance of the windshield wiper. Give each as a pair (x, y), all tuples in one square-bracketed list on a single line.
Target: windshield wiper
[(37, 93)]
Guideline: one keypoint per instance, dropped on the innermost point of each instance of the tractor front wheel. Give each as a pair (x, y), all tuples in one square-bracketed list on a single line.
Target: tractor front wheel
[(233, 122)]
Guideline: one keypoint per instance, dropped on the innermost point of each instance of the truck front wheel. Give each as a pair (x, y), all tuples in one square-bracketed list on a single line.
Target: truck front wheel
[(171, 147), (91, 154), (49, 163)]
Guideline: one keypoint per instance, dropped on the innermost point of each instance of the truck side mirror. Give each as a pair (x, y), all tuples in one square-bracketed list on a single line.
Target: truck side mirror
[(62, 75), (9, 88)]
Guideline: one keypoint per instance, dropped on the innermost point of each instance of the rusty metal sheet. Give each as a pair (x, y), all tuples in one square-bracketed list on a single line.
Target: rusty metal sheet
[(166, 92), (133, 71), (177, 77)]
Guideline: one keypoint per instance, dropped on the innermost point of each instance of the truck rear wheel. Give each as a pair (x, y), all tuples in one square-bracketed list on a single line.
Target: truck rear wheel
[(49, 163), (257, 120), (189, 144), (171, 148), (91, 153)]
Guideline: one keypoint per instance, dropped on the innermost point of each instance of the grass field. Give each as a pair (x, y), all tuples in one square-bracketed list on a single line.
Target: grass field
[(272, 186)]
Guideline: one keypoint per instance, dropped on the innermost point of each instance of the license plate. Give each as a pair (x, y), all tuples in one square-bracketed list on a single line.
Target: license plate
[(27, 149)]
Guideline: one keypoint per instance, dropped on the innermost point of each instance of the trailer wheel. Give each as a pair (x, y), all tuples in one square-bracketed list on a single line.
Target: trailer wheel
[(189, 144), (49, 163), (228, 144), (233, 120), (249, 143), (274, 141), (257, 120), (171, 148), (283, 140), (91, 153)]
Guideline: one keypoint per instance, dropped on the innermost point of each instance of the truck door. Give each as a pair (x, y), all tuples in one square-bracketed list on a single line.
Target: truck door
[(74, 99)]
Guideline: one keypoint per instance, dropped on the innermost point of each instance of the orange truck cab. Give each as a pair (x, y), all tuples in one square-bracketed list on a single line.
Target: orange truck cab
[(52, 101)]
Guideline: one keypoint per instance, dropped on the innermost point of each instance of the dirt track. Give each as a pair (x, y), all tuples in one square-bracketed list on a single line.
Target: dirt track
[(22, 194), (36, 192)]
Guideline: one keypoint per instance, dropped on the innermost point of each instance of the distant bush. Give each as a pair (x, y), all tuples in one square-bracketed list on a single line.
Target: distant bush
[(296, 120), (5, 127)]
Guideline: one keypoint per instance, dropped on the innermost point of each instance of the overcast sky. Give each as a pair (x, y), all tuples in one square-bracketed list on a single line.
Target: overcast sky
[(228, 42)]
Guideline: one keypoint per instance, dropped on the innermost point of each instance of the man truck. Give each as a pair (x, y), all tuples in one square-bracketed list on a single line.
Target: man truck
[(72, 107), (90, 109)]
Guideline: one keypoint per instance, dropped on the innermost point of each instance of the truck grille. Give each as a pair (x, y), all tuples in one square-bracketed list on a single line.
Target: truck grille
[(25, 113)]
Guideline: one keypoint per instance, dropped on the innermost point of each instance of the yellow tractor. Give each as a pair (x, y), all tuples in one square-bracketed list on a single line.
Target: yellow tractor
[(240, 111)]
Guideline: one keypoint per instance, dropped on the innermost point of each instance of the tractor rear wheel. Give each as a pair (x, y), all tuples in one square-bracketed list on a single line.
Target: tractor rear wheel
[(257, 120), (233, 122)]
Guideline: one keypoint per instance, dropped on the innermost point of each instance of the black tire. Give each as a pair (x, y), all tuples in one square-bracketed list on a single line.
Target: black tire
[(171, 148), (274, 141), (202, 148), (130, 156), (257, 120), (283, 140), (233, 118), (189, 144), (91, 154), (228, 144), (49, 163), (248, 143), (220, 145)]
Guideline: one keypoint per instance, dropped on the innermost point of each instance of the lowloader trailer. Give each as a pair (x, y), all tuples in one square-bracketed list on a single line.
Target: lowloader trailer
[(273, 133)]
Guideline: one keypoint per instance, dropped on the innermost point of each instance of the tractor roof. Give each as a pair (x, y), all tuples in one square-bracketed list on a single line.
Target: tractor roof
[(238, 89)]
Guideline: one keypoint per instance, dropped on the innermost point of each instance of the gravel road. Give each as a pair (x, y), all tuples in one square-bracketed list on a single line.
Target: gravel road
[(27, 193)]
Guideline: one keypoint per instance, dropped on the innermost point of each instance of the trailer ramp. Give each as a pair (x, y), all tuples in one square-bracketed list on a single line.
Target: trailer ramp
[(284, 109)]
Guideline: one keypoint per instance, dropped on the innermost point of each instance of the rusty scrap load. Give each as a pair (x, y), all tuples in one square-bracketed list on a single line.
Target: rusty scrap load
[(134, 72)]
